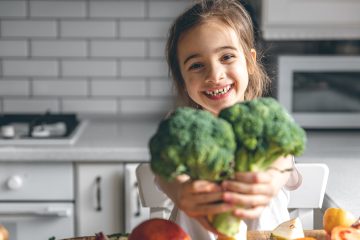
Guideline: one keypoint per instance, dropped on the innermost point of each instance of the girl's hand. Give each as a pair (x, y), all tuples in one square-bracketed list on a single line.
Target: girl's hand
[(252, 191), (201, 198)]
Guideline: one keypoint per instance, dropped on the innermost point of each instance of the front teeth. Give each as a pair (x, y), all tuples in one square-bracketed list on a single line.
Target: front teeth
[(219, 91)]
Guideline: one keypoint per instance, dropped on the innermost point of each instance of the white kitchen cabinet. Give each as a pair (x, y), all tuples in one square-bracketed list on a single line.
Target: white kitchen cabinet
[(37, 200), (99, 198), (310, 19)]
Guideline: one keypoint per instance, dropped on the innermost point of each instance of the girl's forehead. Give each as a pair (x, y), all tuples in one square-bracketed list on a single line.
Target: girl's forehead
[(214, 24), (209, 33)]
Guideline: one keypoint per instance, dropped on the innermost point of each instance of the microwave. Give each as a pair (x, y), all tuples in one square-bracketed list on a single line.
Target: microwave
[(321, 92)]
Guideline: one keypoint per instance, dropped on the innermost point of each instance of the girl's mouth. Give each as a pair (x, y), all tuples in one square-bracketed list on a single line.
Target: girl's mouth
[(219, 93)]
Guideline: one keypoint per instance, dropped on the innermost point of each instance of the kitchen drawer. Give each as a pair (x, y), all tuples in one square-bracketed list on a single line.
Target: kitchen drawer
[(36, 181)]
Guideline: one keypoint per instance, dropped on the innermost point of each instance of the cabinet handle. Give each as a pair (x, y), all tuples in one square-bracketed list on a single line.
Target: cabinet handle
[(98, 194), (46, 212), (138, 204)]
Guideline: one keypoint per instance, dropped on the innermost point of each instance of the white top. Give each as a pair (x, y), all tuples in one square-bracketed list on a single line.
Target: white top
[(274, 214)]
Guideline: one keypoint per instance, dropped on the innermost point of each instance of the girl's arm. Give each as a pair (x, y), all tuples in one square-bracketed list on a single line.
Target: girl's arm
[(254, 190)]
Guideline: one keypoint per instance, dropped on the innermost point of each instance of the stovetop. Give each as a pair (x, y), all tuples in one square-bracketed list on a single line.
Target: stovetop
[(48, 128)]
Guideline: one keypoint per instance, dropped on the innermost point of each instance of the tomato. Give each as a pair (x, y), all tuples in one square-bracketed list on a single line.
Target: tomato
[(345, 233), (334, 217)]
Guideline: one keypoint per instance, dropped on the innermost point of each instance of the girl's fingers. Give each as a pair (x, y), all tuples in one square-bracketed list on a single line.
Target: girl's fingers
[(206, 209), (193, 201), (251, 213), (245, 200), (203, 198), (245, 188), (202, 186), (253, 177)]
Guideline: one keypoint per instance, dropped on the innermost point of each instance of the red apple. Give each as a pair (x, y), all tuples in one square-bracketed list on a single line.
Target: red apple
[(158, 229)]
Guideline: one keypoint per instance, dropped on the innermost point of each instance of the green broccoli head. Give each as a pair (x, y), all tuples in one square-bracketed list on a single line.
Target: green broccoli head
[(193, 142), (264, 131)]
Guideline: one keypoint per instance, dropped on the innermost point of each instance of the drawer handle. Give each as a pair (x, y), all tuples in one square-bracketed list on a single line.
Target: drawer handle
[(47, 212), (98, 194)]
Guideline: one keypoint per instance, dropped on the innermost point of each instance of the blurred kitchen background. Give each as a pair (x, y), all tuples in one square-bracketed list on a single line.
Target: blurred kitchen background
[(83, 84), (107, 57)]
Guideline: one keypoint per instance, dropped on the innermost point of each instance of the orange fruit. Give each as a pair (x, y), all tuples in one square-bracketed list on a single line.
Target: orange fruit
[(334, 217), (345, 233)]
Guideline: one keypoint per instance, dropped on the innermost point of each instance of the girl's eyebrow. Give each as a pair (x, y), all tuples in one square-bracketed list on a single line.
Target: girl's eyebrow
[(195, 55)]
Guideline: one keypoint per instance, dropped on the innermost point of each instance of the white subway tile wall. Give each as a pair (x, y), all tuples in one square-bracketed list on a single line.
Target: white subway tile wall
[(86, 56)]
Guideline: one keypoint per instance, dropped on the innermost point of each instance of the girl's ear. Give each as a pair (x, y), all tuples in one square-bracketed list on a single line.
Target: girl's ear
[(253, 58)]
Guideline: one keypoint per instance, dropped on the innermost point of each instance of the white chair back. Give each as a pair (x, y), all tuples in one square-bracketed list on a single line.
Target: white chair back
[(310, 194), (303, 201), (150, 196)]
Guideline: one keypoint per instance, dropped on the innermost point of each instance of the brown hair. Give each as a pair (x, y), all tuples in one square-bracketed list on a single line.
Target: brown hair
[(234, 15)]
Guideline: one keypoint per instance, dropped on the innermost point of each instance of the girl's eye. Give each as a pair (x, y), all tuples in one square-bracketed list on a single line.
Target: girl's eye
[(227, 57), (195, 66)]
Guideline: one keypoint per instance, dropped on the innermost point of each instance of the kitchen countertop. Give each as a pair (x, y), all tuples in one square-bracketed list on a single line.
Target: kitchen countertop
[(103, 139), (125, 140), (340, 150)]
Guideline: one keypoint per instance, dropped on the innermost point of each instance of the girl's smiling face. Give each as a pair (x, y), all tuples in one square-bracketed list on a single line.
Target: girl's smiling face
[(213, 65)]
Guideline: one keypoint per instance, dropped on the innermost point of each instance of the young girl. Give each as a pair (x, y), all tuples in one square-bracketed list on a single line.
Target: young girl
[(211, 55)]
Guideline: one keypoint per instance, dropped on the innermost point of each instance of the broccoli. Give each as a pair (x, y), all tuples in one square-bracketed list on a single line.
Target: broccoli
[(264, 131), (248, 136), (193, 142)]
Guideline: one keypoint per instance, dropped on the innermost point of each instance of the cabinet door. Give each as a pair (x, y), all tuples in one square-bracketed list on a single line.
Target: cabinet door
[(315, 19), (99, 198)]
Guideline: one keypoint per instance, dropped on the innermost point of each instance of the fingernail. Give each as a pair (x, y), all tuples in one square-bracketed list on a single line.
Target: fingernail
[(226, 197)]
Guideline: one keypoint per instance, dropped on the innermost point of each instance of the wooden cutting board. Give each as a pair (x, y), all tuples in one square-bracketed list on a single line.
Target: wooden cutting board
[(265, 235), (251, 235)]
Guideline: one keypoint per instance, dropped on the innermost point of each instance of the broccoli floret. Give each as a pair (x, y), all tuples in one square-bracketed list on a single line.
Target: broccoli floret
[(264, 131), (193, 142)]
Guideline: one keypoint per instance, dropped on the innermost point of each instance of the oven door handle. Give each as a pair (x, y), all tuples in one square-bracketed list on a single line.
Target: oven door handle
[(46, 212)]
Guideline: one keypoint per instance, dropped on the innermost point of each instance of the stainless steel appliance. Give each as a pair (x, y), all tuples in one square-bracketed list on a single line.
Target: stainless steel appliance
[(321, 91), (37, 200), (48, 128)]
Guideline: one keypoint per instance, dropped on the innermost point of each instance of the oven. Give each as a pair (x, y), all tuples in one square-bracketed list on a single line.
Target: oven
[(321, 91), (37, 200)]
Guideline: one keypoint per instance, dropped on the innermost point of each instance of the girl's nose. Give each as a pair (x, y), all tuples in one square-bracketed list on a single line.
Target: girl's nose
[(215, 74)]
